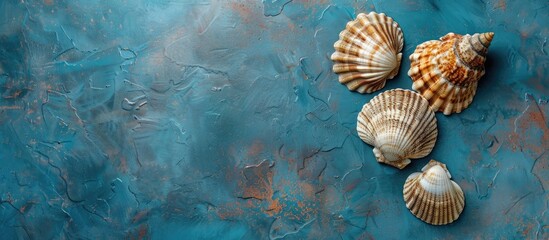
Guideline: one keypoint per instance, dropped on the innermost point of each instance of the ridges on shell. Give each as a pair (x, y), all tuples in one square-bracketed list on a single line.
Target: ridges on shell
[(368, 52), (446, 72), (400, 125), (432, 196)]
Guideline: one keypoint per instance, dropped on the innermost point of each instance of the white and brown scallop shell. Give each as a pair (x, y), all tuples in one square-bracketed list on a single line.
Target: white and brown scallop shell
[(400, 125), (446, 72), (432, 197), (368, 52)]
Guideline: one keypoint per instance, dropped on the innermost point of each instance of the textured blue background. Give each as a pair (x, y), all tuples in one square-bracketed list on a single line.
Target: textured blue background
[(173, 119)]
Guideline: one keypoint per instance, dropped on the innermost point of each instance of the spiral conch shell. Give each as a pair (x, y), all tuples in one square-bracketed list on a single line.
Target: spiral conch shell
[(432, 197), (400, 125), (368, 52), (446, 72)]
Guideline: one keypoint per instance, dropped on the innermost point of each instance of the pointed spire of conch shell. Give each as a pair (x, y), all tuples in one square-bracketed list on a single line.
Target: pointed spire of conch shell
[(447, 72), (486, 38)]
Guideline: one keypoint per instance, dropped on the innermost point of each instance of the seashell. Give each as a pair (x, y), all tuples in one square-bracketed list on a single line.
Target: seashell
[(446, 72), (368, 52), (400, 125), (432, 197)]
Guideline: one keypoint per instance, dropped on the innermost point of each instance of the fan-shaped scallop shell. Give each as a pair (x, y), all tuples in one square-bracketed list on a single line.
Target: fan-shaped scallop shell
[(446, 72), (400, 125), (368, 52), (432, 197)]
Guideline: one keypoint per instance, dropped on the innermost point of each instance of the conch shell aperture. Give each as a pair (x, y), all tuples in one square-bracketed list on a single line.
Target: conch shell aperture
[(447, 72)]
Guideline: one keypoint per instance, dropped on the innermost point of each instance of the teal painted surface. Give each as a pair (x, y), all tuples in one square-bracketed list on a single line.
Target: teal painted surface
[(197, 120)]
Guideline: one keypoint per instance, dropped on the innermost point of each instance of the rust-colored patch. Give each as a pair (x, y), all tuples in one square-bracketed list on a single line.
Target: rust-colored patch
[(466, 186), (255, 149), (533, 116), (23, 209), (258, 182), (524, 34), (230, 210), (538, 82), (291, 160), (140, 215), (262, 25), (243, 10), (533, 145), (495, 147), (291, 26), (374, 209), (14, 107), (143, 232), (274, 207), (308, 189), (527, 230), (501, 4), (349, 187), (123, 165), (14, 94), (474, 158)]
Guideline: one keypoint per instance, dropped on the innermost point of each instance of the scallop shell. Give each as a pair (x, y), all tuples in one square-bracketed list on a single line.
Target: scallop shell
[(400, 125), (368, 52), (446, 72), (432, 197)]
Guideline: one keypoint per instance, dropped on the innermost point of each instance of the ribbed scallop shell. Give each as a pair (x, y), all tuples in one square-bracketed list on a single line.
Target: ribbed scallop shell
[(446, 72), (400, 125), (368, 52), (432, 197)]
